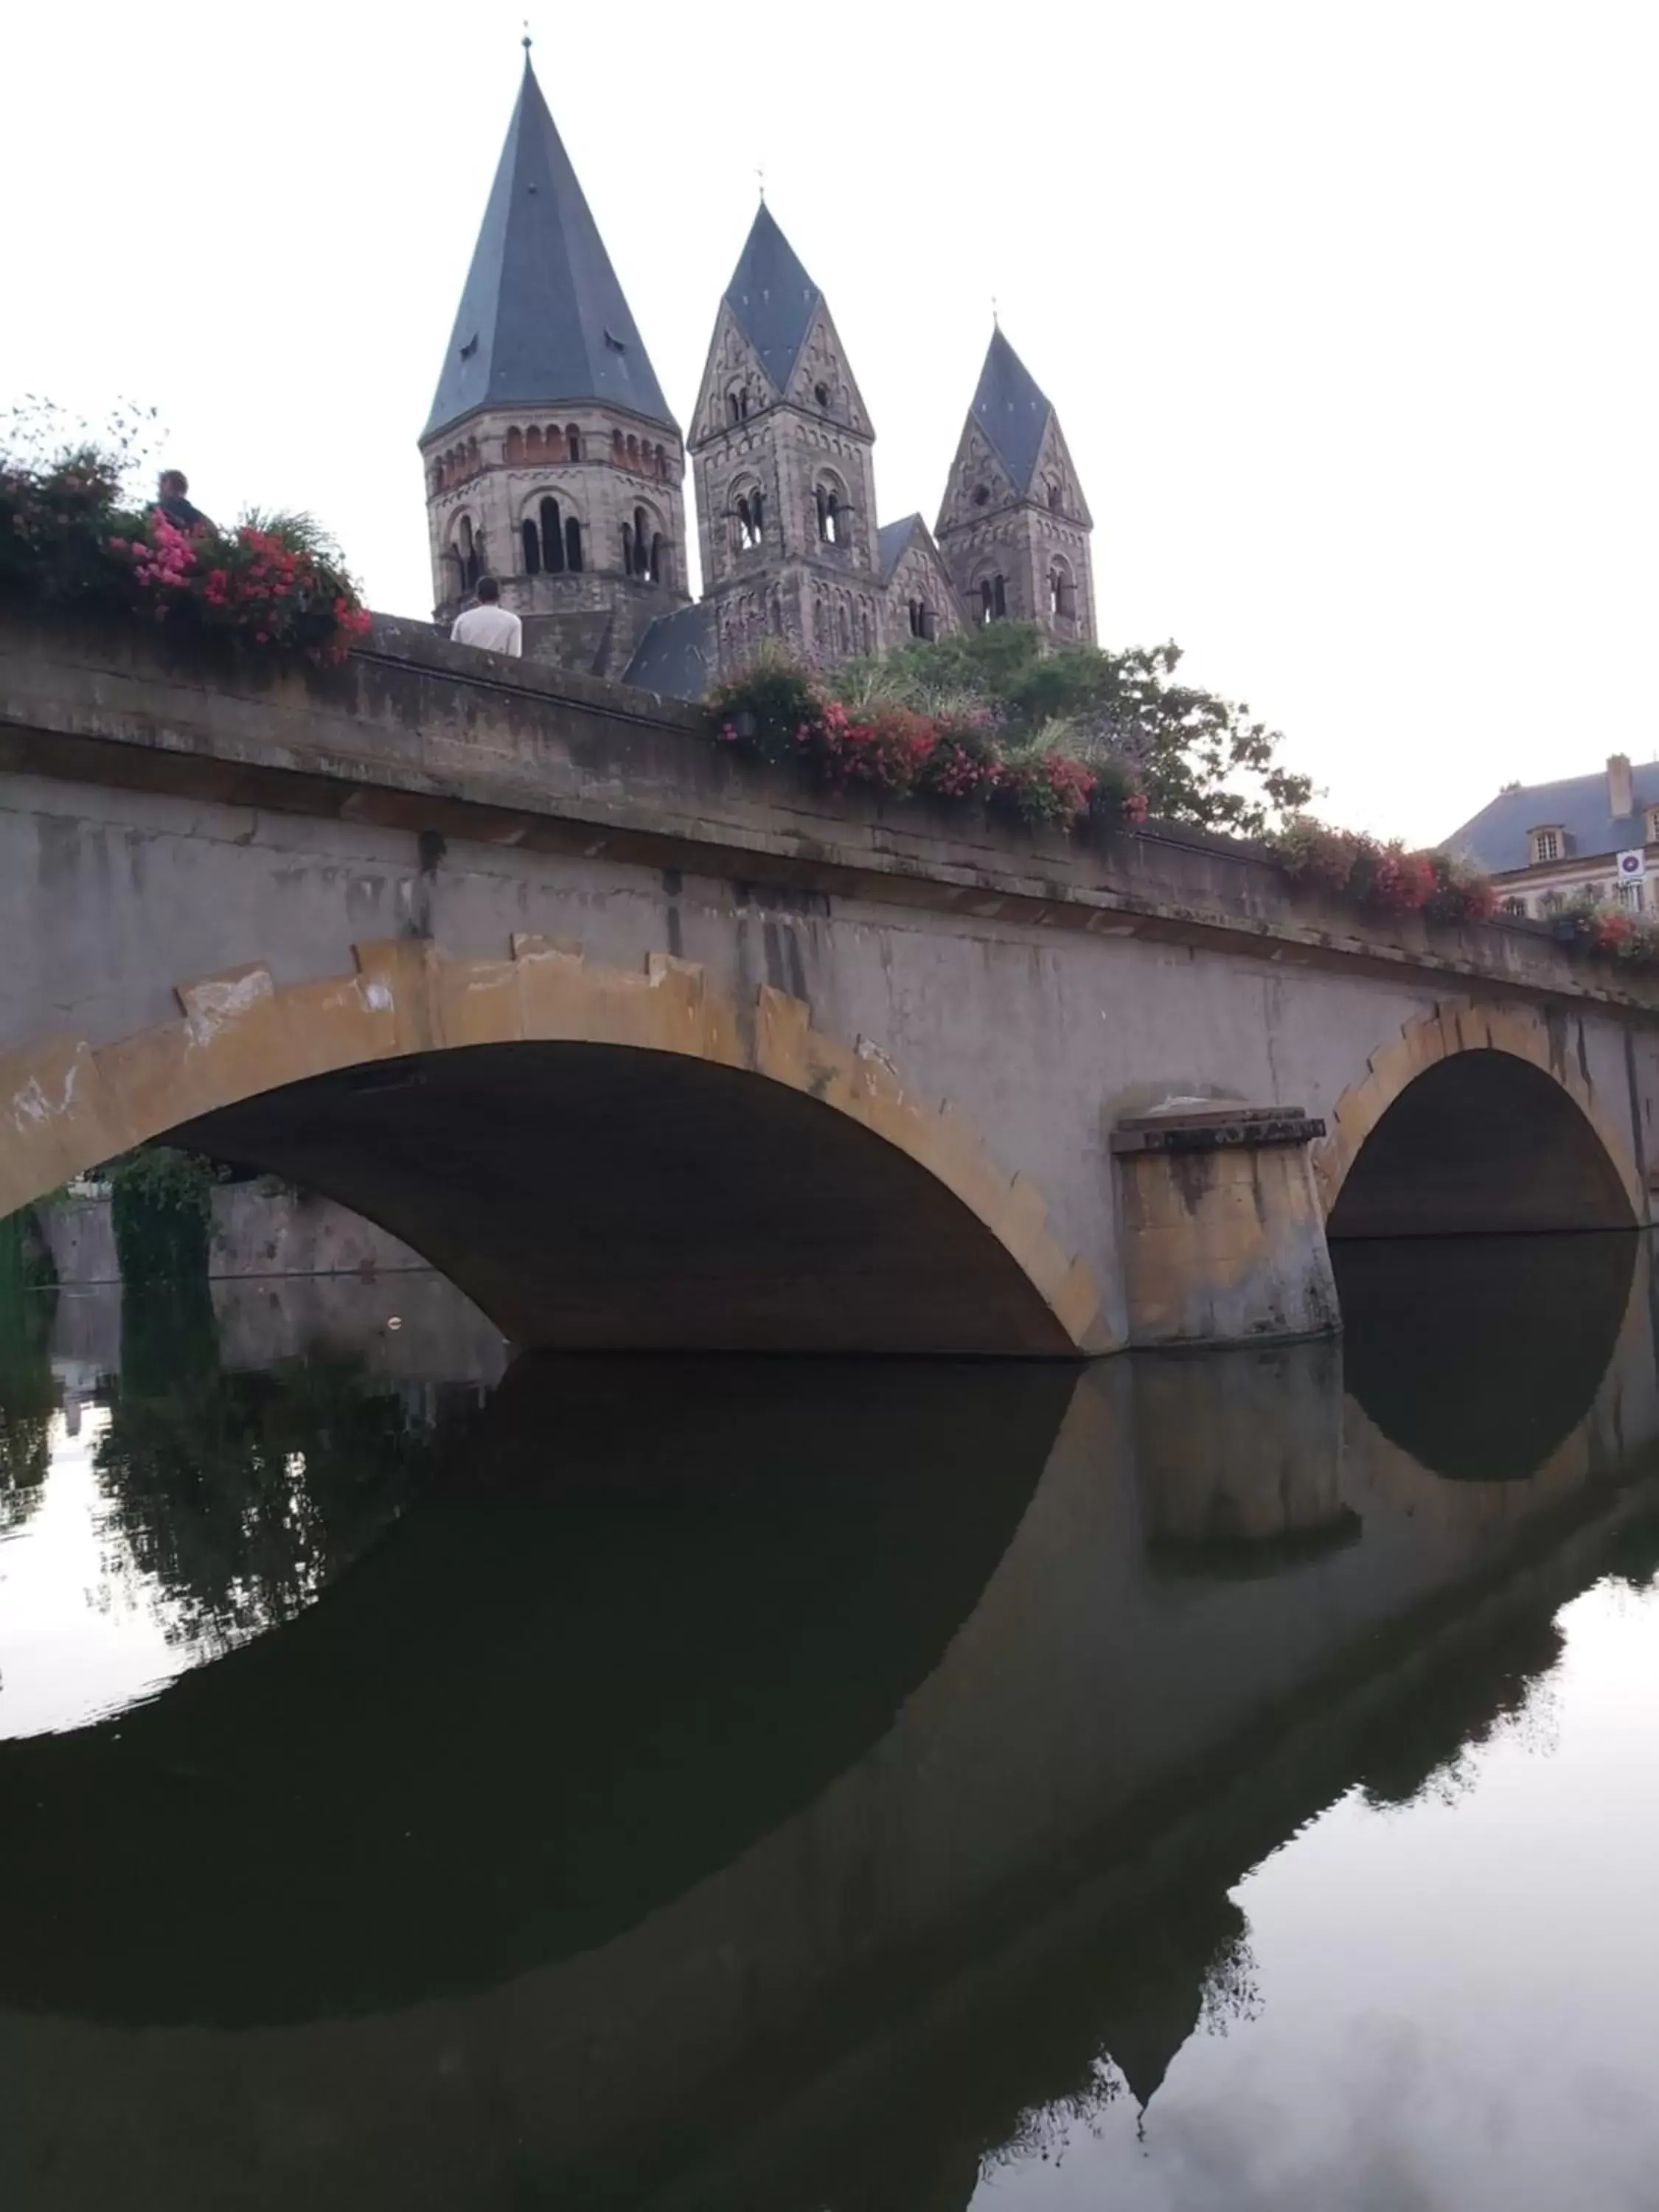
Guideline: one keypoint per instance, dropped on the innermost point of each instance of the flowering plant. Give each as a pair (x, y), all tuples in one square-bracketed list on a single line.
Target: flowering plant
[(274, 581), (66, 539), (776, 709)]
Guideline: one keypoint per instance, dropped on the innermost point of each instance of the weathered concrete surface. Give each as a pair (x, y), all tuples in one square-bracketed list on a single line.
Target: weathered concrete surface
[(217, 880)]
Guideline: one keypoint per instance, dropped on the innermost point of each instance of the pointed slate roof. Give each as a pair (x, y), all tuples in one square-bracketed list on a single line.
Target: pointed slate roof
[(1012, 410), (773, 298), (891, 542), (543, 319)]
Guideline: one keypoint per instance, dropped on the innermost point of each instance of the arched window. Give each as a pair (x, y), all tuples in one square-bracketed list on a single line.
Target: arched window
[(748, 512), (1062, 593), (737, 404), (777, 613), (1054, 496), (531, 443), (921, 619), (993, 598), (513, 452), (655, 569), (633, 450), (628, 549), (866, 631), (552, 536), (573, 544), (832, 512), (573, 441), (641, 542), (469, 553), (533, 547), (821, 393), (618, 446), (844, 629)]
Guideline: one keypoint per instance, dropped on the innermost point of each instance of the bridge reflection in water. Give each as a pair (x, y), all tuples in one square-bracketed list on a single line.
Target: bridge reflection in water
[(772, 1784)]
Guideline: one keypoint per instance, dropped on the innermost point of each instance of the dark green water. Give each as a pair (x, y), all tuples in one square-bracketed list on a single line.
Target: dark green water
[(1185, 1783)]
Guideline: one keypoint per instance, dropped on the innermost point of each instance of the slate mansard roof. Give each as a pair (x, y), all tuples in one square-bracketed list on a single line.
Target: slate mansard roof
[(543, 319), (1012, 410), (1495, 838), (773, 298)]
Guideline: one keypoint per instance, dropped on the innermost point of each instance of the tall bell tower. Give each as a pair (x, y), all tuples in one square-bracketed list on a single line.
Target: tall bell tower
[(552, 459)]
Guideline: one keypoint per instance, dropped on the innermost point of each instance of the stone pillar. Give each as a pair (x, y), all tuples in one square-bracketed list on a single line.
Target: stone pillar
[(1223, 1241)]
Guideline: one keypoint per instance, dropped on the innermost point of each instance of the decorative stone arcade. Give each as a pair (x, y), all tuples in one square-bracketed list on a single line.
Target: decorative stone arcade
[(648, 1048)]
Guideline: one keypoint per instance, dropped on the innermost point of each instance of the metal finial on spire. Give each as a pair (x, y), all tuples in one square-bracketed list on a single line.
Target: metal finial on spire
[(996, 319), (760, 175), (524, 41)]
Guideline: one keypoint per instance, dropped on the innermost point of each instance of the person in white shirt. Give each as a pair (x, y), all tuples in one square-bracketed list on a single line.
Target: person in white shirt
[(489, 623)]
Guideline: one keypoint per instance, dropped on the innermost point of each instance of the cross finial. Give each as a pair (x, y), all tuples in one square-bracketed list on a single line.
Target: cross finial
[(996, 319), (524, 41), (760, 178)]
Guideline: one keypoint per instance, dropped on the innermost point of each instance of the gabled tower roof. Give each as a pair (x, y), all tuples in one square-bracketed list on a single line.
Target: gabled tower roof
[(773, 298), (543, 319), (1012, 410)]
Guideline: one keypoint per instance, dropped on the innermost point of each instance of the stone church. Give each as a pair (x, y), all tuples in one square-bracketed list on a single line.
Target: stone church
[(552, 462)]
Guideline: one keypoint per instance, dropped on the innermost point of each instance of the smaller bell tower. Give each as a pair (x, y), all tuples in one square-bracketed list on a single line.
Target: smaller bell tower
[(1014, 529), (782, 450)]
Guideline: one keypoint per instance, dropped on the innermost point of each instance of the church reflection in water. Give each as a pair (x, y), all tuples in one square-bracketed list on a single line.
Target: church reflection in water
[(766, 1783)]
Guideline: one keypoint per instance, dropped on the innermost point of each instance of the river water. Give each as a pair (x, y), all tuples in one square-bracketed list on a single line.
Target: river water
[(1189, 1782)]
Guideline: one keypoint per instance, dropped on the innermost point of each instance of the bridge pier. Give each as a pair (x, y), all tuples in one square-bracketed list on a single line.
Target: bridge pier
[(1224, 1236)]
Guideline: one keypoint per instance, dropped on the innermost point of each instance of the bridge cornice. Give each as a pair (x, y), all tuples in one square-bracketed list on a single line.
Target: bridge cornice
[(415, 732)]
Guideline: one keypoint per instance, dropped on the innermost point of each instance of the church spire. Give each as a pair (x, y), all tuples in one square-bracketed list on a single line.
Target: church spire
[(771, 297), (1011, 409), (543, 319)]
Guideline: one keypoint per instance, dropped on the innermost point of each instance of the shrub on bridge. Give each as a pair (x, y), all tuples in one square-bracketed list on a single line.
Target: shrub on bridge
[(275, 583), (776, 709), (1382, 878)]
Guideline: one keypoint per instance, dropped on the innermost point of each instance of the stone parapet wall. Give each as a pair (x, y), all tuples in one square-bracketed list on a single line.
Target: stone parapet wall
[(416, 732)]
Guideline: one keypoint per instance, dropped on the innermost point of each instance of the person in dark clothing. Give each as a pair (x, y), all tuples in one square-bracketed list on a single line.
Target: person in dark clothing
[(171, 499)]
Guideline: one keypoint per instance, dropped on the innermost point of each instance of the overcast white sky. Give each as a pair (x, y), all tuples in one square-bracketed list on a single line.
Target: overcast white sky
[(1348, 311)]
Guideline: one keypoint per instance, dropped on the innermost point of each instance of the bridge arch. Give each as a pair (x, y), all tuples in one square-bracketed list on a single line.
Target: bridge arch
[(1476, 1120), (960, 1256)]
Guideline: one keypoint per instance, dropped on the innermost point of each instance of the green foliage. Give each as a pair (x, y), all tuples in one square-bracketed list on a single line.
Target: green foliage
[(767, 704), (160, 1209), (71, 535), (28, 1393), (242, 1494), (1196, 758)]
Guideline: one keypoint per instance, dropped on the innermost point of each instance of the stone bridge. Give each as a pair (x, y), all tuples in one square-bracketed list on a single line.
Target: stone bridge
[(648, 1048)]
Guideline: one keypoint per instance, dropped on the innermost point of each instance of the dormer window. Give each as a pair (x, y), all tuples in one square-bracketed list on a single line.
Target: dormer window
[(1547, 844)]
